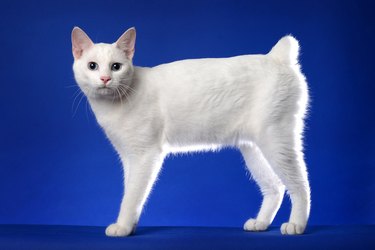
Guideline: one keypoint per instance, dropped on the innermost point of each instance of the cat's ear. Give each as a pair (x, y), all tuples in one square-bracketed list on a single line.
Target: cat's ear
[(126, 43), (80, 42)]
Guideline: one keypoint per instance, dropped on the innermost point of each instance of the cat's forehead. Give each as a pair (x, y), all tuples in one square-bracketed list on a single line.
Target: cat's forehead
[(105, 51)]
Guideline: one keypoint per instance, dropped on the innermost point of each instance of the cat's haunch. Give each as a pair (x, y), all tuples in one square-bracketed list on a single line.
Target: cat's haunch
[(256, 103)]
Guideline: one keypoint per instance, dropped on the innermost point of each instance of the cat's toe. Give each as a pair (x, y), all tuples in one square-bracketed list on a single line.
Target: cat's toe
[(115, 230), (255, 225), (292, 228)]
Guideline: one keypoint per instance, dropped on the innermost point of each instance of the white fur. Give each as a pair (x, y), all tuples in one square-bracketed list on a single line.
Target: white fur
[(256, 103)]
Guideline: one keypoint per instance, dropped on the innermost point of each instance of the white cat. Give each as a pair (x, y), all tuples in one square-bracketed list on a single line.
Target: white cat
[(255, 103)]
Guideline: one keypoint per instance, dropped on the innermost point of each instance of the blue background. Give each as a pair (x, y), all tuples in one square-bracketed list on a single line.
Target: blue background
[(56, 167)]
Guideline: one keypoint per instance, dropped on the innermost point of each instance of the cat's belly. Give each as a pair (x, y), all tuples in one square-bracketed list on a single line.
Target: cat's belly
[(205, 134)]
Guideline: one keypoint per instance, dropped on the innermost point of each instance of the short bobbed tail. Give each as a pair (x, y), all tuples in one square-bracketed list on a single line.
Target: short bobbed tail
[(286, 50)]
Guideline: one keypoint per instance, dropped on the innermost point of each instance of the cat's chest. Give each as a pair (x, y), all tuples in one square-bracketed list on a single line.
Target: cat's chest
[(115, 128), (111, 118)]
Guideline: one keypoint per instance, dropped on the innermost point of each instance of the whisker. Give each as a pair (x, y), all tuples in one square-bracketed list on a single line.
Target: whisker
[(125, 93), (87, 115), (129, 88), (78, 104), (76, 95), (119, 95), (113, 96), (72, 86)]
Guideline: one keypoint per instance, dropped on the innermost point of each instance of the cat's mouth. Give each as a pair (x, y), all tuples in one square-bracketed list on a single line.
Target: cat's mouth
[(111, 92), (104, 91)]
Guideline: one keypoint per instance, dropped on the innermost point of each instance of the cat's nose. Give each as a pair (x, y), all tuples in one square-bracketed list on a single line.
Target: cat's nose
[(105, 79)]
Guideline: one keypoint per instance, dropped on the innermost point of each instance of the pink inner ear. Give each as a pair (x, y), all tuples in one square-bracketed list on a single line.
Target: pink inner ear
[(80, 42), (127, 43), (77, 53)]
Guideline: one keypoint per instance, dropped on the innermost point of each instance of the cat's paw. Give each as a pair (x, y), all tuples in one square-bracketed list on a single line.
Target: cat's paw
[(115, 230), (255, 225), (292, 228)]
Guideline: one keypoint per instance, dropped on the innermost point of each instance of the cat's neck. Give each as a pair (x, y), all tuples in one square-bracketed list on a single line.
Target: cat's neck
[(102, 105)]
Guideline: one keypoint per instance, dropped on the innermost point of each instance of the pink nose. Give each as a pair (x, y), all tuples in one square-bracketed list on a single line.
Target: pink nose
[(105, 79)]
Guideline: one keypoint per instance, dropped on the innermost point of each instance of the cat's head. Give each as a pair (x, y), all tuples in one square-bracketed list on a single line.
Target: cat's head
[(103, 70)]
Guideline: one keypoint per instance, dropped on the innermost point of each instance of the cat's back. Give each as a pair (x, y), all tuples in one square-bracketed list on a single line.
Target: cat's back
[(281, 60), (201, 76), (205, 65)]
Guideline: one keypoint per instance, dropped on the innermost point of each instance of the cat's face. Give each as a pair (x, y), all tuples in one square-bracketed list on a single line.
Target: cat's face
[(103, 70)]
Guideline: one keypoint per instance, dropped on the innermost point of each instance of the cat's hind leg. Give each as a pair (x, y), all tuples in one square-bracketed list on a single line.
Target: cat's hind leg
[(270, 186), (282, 147)]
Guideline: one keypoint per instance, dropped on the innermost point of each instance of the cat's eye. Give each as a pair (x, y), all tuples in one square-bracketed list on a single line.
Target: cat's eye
[(93, 66), (116, 66)]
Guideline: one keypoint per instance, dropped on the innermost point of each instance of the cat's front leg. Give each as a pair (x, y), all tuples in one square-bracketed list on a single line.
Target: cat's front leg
[(141, 170)]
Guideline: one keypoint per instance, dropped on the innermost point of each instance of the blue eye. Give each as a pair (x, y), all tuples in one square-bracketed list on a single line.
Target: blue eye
[(93, 66), (116, 66)]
